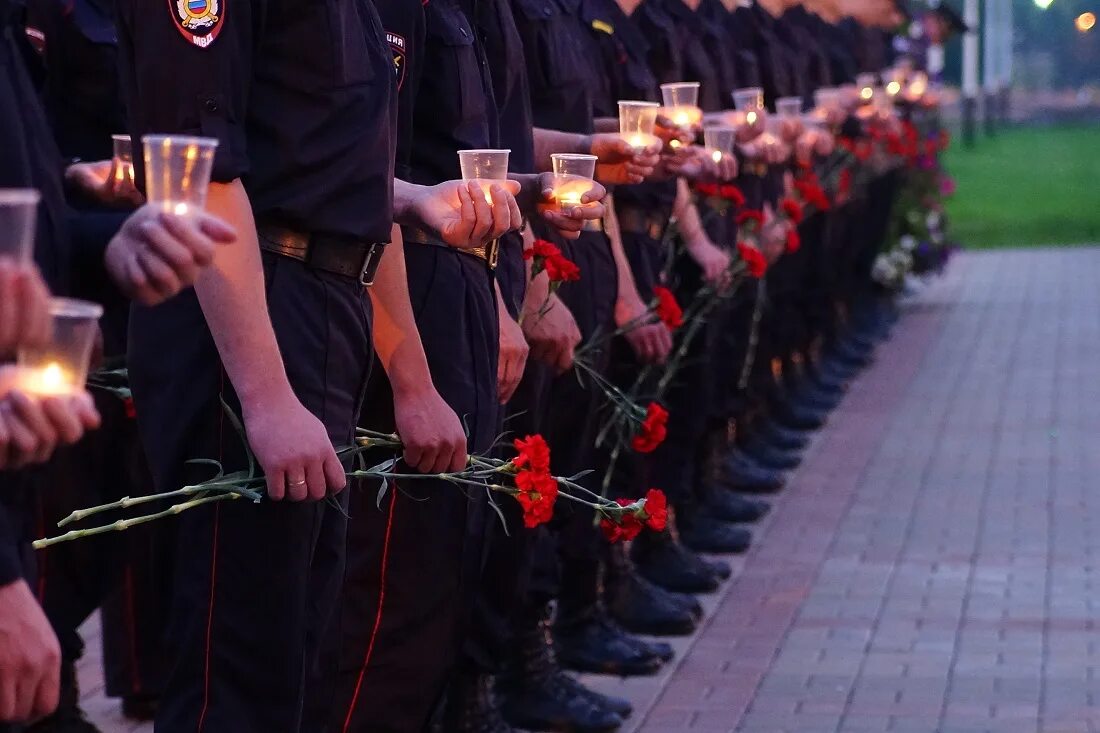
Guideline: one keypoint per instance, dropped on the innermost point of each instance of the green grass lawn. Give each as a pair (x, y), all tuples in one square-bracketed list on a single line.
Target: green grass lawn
[(1027, 187)]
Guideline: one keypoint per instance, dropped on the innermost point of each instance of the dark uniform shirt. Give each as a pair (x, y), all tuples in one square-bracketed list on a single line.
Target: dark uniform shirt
[(703, 52), (28, 159), (558, 63), (79, 46), (300, 96), (504, 54)]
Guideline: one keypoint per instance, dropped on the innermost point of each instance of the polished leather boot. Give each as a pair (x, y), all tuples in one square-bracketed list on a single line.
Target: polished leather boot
[(589, 641), (537, 695), (772, 458), (741, 473), (707, 534), (642, 607), (729, 506), (772, 433), (663, 560)]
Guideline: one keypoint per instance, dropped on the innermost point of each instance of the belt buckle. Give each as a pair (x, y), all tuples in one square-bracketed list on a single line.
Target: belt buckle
[(492, 254), (370, 265)]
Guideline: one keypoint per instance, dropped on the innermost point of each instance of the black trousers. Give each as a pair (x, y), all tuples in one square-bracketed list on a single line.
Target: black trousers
[(415, 555), (254, 583)]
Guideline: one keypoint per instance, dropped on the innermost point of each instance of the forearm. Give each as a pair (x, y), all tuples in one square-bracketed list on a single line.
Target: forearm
[(232, 295), (606, 124), (404, 194), (394, 332), (627, 287), (548, 142), (687, 215)]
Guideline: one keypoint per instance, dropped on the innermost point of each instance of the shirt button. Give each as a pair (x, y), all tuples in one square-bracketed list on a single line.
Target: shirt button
[(211, 105)]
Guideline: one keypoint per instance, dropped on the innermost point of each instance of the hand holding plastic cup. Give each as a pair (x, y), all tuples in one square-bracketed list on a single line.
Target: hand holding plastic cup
[(572, 175), (719, 140), (749, 101), (177, 171), (60, 367), (681, 102), (484, 166), (18, 218), (637, 121)]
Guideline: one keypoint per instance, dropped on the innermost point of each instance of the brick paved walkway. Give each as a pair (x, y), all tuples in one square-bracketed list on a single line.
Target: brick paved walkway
[(931, 566)]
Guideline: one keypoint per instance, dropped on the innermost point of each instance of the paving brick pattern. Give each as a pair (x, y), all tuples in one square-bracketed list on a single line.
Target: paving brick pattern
[(931, 566)]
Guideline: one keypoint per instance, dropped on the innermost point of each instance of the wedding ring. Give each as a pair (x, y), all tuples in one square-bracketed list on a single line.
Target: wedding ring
[(294, 484)]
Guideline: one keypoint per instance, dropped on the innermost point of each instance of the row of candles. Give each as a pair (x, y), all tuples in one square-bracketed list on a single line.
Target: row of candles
[(177, 176)]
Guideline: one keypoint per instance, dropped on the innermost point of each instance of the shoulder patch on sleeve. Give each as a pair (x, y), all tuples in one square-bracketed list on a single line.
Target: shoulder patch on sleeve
[(400, 56), (198, 21), (603, 27)]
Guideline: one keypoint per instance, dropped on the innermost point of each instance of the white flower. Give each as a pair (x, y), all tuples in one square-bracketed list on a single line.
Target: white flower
[(908, 243), (884, 271), (933, 220)]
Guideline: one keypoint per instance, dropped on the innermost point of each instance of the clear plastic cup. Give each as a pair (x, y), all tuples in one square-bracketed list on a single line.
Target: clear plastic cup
[(750, 99), (573, 173), (719, 140), (681, 101), (827, 99), (61, 366), (122, 167), (636, 122), (18, 218), (789, 107), (177, 171), (485, 166)]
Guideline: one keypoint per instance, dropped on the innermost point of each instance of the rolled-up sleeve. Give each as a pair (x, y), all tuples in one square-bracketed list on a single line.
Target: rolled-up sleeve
[(189, 80)]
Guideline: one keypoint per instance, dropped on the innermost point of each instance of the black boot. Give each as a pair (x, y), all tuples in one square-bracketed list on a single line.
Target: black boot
[(472, 706), (589, 641), (702, 533), (729, 506), (741, 473), (537, 695), (642, 607), (772, 458), (68, 718), (772, 433), (663, 560)]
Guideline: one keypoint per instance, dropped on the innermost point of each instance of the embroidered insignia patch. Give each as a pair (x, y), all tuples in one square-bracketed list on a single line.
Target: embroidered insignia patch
[(199, 21), (397, 46), (603, 27)]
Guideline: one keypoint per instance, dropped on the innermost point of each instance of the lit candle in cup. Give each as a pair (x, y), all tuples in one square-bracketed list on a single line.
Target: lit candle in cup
[(866, 84), (572, 174), (485, 166), (177, 171), (637, 121), (788, 108), (122, 163), (18, 217), (61, 366), (681, 101), (719, 140), (919, 85), (750, 101)]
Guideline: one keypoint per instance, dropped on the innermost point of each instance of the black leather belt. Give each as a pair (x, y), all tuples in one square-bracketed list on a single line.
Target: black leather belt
[(490, 254), (343, 256), (638, 221)]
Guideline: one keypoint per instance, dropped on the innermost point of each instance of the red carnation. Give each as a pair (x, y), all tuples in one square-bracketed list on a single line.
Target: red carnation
[(542, 249), (656, 510), (753, 215), (627, 526), (753, 259), (653, 429), (538, 492), (668, 310), (732, 194), (707, 189), (862, 151), (792, 209), (794, 240), (534, 454), (548, 257)]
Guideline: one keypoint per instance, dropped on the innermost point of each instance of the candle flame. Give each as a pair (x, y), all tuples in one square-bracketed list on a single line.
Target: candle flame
[(867, 92), (716, 156), (893, 88), (751, 118), (180, 209)]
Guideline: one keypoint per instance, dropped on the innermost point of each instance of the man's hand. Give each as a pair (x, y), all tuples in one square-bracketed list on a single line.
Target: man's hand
[(457, 212), (30, 657), (712, 260), (32, 426), (553, 334), (157, 254), (430, 430), (619, 163), (293, 449), (569, 222), (105, 182), (512, 360), (686, 162), (24, 307), (652, 342)]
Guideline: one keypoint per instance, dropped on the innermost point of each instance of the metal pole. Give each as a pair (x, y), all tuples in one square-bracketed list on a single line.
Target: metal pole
[(990, 58), (1008, 31), (970, 72)]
